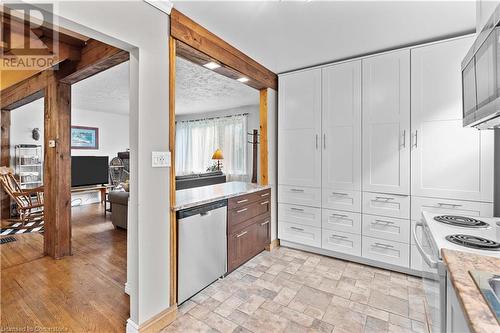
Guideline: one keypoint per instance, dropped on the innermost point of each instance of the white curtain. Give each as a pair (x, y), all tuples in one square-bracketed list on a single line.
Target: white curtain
[(197, 140)]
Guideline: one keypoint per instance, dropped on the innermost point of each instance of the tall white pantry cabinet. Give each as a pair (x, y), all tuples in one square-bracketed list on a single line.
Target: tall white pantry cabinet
[(366, 145)]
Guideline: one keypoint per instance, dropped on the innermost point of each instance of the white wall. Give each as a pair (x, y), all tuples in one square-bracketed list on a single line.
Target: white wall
[(143, 31), (253, 123), (113, 129)]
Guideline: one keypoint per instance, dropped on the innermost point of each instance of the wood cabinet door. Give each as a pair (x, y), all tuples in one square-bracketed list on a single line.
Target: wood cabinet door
[(341, 125), (263, 233), (448, 160), (299, 152), (241, 246), (386, 123)]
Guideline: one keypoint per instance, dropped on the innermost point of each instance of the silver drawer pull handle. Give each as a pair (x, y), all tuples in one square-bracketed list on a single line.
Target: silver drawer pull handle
[(242, 234), (385, 246), (338, 237), (384, 198), (339, 193), (264, 203), (242, 201), (296, 209), (339, 215), (298, 229), (264, 223), (448, 204), (264, 195), (242, 210), (384, 222), (296, 190)]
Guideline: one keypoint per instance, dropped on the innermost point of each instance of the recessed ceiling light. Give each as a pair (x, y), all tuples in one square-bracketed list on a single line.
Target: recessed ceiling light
[(243, 79), (211, 65)]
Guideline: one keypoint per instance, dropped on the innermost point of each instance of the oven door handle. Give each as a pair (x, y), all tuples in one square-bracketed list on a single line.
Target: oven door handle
[(429, 261)]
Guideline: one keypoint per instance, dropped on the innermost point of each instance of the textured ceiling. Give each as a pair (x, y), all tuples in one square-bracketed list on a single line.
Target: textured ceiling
[(201, 90), (286, 35), (105, 92), (197, 90)]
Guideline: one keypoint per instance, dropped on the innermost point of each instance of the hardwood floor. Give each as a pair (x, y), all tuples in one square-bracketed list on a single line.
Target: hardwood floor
[(81, 293)]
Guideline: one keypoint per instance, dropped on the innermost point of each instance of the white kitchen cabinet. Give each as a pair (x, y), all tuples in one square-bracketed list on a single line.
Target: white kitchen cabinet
[(386, 123), (341, 125), (299, 129), (455, 317), (448, 160)]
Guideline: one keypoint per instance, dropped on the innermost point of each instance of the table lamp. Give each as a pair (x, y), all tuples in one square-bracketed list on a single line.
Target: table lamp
[(218, 157)]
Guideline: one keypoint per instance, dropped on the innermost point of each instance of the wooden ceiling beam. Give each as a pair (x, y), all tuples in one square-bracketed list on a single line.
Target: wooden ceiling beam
[(191, 33)]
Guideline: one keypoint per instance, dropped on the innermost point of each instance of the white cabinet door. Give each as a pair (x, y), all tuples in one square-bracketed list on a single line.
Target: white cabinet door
[(341, 124), (386, 123), (448, 160), (299, 152)]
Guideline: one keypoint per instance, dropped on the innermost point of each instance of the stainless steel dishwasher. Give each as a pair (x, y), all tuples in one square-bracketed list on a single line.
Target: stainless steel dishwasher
[(202, 249)]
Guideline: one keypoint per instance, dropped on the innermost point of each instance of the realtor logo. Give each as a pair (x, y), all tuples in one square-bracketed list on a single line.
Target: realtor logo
[(29, 40)]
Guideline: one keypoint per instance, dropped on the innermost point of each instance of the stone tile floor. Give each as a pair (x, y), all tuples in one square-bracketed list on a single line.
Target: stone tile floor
[(293, 291)]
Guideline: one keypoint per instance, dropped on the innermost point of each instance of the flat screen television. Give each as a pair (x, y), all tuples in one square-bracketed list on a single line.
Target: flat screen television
[(89, 170)]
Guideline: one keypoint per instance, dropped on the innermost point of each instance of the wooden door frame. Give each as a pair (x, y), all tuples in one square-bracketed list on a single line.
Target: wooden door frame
[(186, 38)]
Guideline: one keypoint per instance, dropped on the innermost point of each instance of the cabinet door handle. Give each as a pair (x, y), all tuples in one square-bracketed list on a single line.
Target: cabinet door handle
[(264, 195), (416, 139), (264, 223), (383, 198), (384, 246), (339, 193), (296, 209), (339, 215), (242, 234), (242, 201), (384, 222), (448, 204), (242, 210), (338, 237), (298, 229), (264, 203), (403, 137), (317, 141), (324, 140), (296, 190)]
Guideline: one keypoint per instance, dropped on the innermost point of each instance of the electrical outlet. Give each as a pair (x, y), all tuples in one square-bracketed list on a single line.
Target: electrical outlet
[(160, 159)]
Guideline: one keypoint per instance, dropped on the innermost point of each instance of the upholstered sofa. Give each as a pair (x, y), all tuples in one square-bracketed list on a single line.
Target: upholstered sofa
[(119, 208)]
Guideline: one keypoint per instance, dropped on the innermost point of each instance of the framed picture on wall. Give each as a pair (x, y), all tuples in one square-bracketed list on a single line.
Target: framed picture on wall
[(83, 137)]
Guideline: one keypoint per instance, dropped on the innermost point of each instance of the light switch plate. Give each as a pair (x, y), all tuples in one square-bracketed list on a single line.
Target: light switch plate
[(160, 159)]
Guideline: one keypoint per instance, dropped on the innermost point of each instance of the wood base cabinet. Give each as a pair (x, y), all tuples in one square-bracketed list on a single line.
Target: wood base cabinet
[(248, 226)]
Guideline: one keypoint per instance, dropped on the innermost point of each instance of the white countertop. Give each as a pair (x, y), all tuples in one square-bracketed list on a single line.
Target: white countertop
[(192, 197)]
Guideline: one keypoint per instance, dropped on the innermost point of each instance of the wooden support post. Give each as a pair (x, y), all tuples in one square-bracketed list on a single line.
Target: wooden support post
[(57, 169), (264, 177), (5, 160)]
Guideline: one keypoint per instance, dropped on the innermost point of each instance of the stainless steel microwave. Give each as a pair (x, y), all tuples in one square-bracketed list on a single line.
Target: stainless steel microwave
[(481, 78)]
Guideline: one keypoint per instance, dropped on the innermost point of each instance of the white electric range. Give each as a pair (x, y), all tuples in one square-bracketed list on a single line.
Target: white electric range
[(478, 235)]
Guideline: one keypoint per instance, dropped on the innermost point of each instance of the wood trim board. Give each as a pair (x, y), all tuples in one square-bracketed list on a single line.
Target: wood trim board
[(264, 177), (191, 33), (171, 144)]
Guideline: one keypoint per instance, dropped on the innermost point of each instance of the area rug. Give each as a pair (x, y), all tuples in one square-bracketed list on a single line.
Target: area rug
[(17, 228)]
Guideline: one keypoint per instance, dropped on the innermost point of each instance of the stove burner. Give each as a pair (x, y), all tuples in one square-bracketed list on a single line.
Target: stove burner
[(474, 242), (461, 221)]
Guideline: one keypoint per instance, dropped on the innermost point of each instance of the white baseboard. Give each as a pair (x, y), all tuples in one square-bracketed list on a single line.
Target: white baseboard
[(127, 289), (132, 327)]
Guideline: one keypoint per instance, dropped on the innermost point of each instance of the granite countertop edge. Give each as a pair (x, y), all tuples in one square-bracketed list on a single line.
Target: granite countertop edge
[(477, 311), (257, 188)]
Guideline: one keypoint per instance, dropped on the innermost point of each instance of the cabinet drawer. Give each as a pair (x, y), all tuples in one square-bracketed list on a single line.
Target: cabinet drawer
[(300, 234), (300, 215), (342, 200), (389, 228), (307, 196), (246, 199), (341, 242), (242, 214), (445, 206), (386, 204), (385, 251), (341, 221)]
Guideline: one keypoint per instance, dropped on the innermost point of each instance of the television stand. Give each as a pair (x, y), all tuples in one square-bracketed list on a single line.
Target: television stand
[(103, 190)]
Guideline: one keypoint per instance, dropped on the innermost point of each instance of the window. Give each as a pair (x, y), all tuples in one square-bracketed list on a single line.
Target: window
[(197, 140)]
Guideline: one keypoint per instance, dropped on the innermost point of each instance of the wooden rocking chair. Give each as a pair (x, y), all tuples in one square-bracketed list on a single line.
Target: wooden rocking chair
[(29, 201)]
